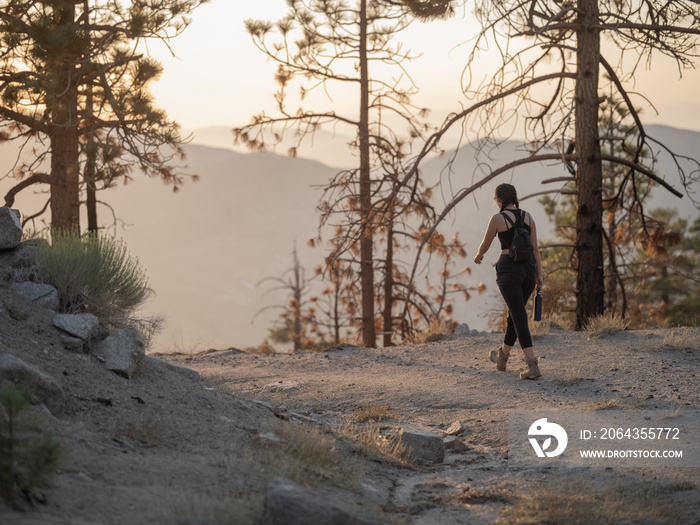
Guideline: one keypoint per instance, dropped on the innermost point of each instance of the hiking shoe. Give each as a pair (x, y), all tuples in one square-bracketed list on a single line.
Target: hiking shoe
[(533, 371), (499, 358)]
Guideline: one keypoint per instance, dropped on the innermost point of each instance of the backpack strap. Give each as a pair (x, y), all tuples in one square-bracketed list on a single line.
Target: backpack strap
[(509, 221)]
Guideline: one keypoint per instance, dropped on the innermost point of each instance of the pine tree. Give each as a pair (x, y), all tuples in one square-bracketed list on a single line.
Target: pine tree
[(331, 43), (74, 80)]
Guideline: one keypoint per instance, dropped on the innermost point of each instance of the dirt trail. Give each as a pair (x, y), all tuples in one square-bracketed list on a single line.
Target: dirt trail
[(427, 387)]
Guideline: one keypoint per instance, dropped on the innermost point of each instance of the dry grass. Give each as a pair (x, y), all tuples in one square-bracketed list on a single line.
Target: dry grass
[(306, 452), (604, 404), (682, 338), (576, 502), (569, 376), (438, 330), (605, 325), (369, 442), (548, 322)]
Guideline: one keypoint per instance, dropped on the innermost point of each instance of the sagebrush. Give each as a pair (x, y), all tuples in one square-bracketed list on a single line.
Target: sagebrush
[(95, 274)]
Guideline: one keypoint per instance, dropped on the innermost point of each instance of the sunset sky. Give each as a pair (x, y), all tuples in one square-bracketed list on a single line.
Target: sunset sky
[(220, 79)]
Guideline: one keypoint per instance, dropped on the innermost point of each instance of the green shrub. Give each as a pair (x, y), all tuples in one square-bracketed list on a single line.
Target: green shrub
[(28, 457), (95, 274)]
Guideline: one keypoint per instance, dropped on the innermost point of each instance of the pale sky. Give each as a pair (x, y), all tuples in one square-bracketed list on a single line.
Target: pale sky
[(220, 79)]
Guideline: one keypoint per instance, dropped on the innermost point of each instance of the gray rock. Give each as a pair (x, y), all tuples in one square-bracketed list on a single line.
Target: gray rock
[(43, 295), (455, 444), (424, 445), (73, 344), (10, 228), (263, 404), (45, 388), (289, 504), (455, 429), (268, 438), (462, 330), (474, 332), (122, 351), (83, 326)]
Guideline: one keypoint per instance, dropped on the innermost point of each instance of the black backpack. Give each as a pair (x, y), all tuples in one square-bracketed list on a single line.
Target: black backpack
[(521, 247)]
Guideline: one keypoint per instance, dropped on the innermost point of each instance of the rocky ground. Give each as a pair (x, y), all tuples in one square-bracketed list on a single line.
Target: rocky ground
[(170, 446)]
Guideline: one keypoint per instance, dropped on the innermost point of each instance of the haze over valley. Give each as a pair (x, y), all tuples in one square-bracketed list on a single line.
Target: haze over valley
[(206, 248)]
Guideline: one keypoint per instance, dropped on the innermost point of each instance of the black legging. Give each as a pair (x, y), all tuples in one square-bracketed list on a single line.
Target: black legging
[(516, 280)]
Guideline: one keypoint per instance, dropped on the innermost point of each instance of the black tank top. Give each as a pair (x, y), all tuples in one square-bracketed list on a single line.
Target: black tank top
[(506, 237)]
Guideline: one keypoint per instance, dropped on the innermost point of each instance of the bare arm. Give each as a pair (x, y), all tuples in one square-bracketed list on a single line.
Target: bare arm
[(491, 231)]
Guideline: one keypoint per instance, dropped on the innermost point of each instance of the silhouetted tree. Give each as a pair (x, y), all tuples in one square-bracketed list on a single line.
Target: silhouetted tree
[(72, 78)]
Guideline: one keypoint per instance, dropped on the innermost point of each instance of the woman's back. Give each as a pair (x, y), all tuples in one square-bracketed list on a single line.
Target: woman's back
[(509, 218)]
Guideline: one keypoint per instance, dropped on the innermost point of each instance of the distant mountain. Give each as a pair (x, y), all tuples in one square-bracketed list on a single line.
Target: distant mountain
[(207, 247), (329, 148)]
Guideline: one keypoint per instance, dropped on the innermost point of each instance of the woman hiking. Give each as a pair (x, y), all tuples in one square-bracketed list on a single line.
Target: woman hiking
[(516, 279)]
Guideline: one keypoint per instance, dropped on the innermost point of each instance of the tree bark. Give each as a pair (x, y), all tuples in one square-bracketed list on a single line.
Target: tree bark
[(90, 175), (389, 282), (590, 291), (366, 249), (65, 146)]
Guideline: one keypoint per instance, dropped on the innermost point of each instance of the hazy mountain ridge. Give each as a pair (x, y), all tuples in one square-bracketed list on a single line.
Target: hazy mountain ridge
[(206, 247)]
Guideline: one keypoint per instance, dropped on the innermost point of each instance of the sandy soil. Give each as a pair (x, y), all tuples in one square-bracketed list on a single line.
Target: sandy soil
[(163, 448)]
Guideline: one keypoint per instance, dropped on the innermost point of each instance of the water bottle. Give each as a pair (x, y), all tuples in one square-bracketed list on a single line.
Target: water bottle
[(538, 306)]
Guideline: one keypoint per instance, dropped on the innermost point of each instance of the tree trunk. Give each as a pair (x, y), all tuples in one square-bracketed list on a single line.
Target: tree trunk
[(298, 285), (65, 146), (89, 176), (366, 257), (590, 284), (389, 283)]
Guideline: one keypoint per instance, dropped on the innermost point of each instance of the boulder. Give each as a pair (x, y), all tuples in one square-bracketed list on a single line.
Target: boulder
[(43, 295), (462, 330), (10, 228), (83, 326), (455, 429), (121, 352), (45, 388), (425, 446), (287, 503)]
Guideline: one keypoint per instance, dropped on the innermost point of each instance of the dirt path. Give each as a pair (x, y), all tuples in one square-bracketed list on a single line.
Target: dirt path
[(428, 387)]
